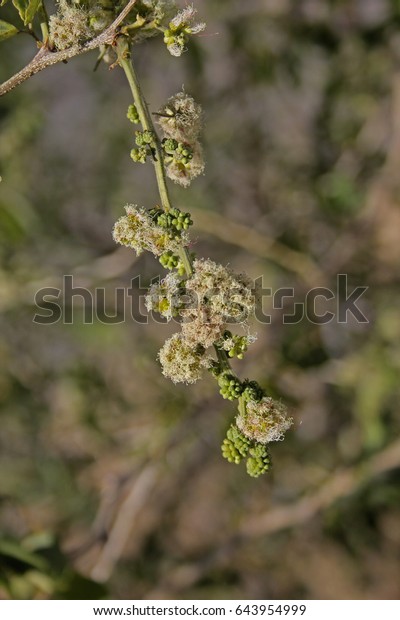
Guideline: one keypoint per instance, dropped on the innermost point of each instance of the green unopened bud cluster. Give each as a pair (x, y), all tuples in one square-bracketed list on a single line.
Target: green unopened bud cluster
[(230, 386), (145, 141), (179, 153), (252, 391), (133, 114), (258, 461), (235, 345), (260, 419), (171, 261), (237, 447), (174, 221)]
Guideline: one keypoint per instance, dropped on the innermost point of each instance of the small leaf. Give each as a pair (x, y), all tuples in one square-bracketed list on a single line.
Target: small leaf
[(7, 30), (12, 553), (21, 6), (26, 9), (2, 2), (33, 7)]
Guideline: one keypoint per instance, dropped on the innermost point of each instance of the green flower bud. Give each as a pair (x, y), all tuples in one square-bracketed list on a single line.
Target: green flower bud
[(252, 391), (259, 461), (133, 114), (230, 386), (235, 446), (169, 260), (139, 155), (169, 145)]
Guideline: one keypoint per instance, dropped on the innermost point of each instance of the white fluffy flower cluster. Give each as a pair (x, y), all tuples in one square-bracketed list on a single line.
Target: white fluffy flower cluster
[(137, 230), (181, 120), (180, 362), (204, 303), (220, 296), (165, 297), (179, 30), (264, 421), (69, 27)]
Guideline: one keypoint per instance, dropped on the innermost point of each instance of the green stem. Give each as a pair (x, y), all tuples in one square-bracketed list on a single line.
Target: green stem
[(124, 58), (44, 21), (186, 260), (145, 118), (223, 359), (242, 406)]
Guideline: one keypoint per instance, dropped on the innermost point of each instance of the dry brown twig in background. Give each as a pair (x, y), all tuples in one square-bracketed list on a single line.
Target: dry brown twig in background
[(340, 485)]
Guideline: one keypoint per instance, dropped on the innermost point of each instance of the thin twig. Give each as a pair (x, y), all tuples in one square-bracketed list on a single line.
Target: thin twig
[(341, 484), (46, 58), (259, 245), (123, 524)]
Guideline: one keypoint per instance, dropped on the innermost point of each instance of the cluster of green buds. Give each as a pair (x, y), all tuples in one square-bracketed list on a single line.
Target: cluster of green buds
[(237, 447), (234, 345), (171, 261), (230, 386), (174, 221), (179, 153), (145, 141), (133, 114), (258, 461), (252, 391)]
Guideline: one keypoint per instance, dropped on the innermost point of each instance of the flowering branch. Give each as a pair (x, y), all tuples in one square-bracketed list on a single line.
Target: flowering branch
[(204, 296), (184, 356), (47, 57)]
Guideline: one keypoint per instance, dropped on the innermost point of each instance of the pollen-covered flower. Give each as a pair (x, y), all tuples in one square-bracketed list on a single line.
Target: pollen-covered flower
[(264, 421), (179, 30), (137, 230), (219, 296), (182, 173), (185, 19), (180, 362), (69, 26), (181, 118), (164, 297), (236, 345)]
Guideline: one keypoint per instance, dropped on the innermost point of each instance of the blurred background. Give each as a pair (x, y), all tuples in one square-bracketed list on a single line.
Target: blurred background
[(111, 478)]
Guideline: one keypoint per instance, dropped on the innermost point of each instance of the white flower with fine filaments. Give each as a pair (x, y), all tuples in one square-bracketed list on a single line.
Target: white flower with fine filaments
[(137, 230), (180, 362), (264, 421)]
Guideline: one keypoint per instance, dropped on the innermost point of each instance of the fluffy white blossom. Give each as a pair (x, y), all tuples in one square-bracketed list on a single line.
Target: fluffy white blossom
[(180, 362), (180, 28), (181, 118), (184, 174), (264, 421), (164, 297), (137, 230), (218, 296), (69, 26)]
